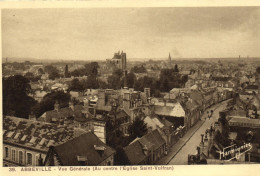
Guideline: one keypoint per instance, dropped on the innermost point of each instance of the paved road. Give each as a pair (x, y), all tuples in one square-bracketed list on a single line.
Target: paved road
[(181, 158)]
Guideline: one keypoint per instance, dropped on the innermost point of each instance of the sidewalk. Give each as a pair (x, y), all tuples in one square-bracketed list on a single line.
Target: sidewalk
[(178, 146)]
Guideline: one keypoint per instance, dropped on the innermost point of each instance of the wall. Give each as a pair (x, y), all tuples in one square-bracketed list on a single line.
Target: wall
[(8, 161)]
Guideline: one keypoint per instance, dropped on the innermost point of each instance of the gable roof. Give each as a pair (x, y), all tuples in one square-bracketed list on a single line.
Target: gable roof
[(83, 145), (134, 151)]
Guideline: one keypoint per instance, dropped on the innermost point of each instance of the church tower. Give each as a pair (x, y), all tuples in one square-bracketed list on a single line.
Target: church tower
[(169, 58)]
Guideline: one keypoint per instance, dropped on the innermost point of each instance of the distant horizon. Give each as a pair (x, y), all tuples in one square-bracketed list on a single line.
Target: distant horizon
[(17, 59)]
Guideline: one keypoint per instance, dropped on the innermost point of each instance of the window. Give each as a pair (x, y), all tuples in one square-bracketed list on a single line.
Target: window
[(13, 155), (6, 152), (20, 157), (29, 159)]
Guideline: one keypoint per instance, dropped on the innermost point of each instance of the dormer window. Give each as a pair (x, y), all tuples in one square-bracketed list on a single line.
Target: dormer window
[(10, 134), (17, 135), (24, 137), (32, 141), (83, 160), (100, 149)]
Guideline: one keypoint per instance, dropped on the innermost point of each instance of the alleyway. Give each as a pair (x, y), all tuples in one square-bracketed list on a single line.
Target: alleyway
[(178, 154)]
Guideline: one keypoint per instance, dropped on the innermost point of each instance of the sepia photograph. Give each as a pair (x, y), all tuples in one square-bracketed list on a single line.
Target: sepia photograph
[(146, 87)]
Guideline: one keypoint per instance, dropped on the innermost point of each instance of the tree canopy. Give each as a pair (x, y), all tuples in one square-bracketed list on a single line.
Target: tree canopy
[(139, 69), (30, 76), (138, 128), (49, 100), (16, 101), (52, 71)]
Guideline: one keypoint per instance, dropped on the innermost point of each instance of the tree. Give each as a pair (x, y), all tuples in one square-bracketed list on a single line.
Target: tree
[(176, 69), (49, 69), (165, 85), (102, 84), (92, 68), (75, 85), (223, 137), (29, 75), (130, 79), (138, 128), (40, 71), (139, 69), (49, 100), (54, 75), (18, 66), (115, 80), (120, 157), (258, 70), (92, 82), (15, 96)]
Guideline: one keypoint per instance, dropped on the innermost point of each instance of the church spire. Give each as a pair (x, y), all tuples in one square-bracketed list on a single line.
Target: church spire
[(170, 59)]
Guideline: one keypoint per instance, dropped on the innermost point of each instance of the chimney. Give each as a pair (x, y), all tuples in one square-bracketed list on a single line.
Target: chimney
[(145, 150), (56, 106), (147, 92), (164, 102), (32, 117), (149, 100)]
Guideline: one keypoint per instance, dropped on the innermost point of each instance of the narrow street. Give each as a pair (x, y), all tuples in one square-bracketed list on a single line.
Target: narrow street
[(181, 158)]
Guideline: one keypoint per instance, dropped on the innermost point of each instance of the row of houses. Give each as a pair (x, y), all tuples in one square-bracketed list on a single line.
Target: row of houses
[(30, 143), (242, 124)]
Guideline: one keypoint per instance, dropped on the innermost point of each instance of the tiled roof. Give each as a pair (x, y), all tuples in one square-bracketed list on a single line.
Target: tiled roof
[(191, 105), (83, 146), (66, 112), (35, 134), (134, 151)]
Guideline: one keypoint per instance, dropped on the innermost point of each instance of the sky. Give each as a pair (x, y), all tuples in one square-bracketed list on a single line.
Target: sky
[(97, 33)]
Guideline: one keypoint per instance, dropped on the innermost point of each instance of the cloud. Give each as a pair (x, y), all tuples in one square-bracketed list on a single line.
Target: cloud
[(141, 32)]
